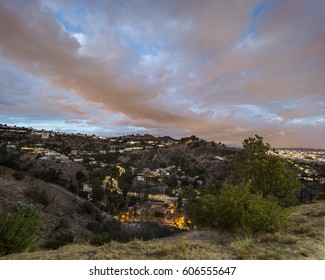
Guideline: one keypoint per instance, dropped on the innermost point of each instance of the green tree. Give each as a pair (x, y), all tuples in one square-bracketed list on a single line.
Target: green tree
[(238, 208), (211, 187), (188, 192), (80, 176), (125, 182), (18, 224), (268, 174)]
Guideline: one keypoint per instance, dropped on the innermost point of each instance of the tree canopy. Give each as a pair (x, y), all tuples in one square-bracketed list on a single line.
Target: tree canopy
[(254, 199), (268, 173)]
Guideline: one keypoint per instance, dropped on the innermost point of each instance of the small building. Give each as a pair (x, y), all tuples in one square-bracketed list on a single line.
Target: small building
[(45, 135), (44, 158), (74, 152), (10, 146), (87, 188), (61, 157), (141, 177)]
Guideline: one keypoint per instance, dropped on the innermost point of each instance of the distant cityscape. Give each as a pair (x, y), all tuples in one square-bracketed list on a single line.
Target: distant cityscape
[(307, 161)]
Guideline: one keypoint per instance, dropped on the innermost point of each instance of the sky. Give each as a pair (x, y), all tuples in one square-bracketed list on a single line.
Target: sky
[(221, 70)]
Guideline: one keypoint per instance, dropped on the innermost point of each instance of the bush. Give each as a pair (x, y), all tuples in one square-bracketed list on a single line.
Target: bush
[(88, 208), (204, 211), (238, 208), (63, 222), (94, 227), (320, 196), (18, 225), (59, 241), (37, 195), (100, 239), (50, 175), (19, 175)]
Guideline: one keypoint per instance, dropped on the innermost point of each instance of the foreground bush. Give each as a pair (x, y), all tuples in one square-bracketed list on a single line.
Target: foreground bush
[(59, 241), (100, 239), (237, 207), (19, 175), (37, 195), (18, 224)]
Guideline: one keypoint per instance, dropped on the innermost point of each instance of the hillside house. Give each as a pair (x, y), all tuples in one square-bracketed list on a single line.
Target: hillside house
[(45, 135), (140, 177)]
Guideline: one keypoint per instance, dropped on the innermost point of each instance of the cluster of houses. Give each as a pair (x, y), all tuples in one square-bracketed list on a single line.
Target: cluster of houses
[(154, 206), (122, 146), (306, 156), (161, 201)]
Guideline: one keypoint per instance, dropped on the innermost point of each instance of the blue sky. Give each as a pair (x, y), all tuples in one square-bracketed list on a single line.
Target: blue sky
[(222, 70)]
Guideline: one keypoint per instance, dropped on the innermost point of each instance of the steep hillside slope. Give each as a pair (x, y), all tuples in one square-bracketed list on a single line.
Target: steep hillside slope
[(64, 212), (197, 158)]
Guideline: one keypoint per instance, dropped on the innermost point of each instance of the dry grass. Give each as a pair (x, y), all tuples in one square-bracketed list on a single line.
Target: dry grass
[(243, 247), (137, 249)]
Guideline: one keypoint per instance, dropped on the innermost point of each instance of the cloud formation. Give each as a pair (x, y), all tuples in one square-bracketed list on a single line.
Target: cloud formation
[(220, 70)]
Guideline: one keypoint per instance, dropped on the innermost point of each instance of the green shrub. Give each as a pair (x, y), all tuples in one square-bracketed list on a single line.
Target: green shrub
[(18, 224), (100, 239), (63, 222), (158, 214), (88, 208), (37, 195), (19, 175), (95, 227), (238, 208), (320, 196), (59, 241), (204, 211)]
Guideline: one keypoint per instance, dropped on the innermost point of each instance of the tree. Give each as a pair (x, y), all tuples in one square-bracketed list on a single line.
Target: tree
[(18, 224), (268, 174), (125, 182), (80, 176), (262, 184), (238, 208), (211, 187)]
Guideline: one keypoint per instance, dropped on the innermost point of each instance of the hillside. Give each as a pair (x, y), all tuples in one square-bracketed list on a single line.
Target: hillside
[(302, 240), (198, 158), (64, 213), (66, 216), (148, 182)]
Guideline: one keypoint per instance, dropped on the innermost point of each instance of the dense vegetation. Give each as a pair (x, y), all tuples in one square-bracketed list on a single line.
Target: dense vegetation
[(260, 188), (18, 224)]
